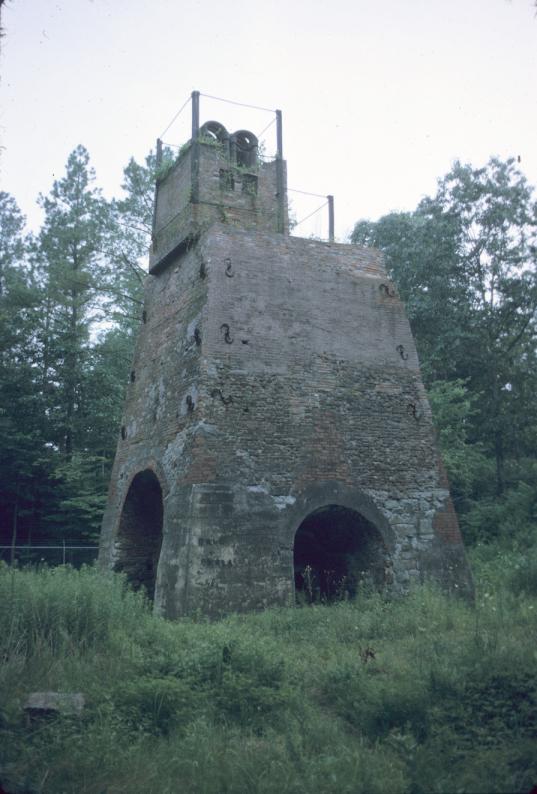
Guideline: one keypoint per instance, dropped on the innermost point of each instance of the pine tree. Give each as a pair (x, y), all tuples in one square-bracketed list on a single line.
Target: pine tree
[(71, 246), (24, 452)]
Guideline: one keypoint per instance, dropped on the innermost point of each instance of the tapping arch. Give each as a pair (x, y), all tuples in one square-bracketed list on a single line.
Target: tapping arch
[(139, 536), (336, 550)]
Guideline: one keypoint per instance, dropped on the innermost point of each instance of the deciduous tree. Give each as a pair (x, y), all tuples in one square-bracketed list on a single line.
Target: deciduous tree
[(465, 262)]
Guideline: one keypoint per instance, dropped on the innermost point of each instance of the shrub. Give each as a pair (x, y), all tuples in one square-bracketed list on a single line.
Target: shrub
[(158, 705), (523, 576), (422, 694), (376, 703), (62, 608)]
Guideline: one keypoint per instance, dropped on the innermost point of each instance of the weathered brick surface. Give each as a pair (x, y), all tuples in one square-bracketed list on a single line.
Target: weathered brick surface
[(273, 376), (247, 201)]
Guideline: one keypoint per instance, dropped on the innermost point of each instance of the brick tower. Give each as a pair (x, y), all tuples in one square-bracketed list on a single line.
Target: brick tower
[(276, 434)]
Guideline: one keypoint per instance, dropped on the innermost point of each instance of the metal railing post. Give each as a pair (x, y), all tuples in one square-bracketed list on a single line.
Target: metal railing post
[(158, 164), (280, 189), (331, 236), (195, 161)]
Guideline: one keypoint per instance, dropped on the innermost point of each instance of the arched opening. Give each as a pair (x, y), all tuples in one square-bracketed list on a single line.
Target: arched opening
[(244, 146), (139, 535), (336, 551), (214, 132)]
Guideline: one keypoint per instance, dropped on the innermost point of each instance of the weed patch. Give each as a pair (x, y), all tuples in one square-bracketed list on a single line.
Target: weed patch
[(415, 696)]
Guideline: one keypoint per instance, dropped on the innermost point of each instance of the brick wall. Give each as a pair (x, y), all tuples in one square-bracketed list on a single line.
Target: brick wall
[(275, 375)]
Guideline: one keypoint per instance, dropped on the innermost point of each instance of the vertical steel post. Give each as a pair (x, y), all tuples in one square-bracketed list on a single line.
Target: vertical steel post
[(195, 114), (195, 155), (280, 189), (158, 164), (279, 135), (331, 236)]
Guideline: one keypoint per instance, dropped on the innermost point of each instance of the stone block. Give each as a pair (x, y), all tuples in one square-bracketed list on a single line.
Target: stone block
[(46, 704)]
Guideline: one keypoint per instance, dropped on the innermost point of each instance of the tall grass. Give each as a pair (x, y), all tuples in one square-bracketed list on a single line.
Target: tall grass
[(420, 695), (64, 608)]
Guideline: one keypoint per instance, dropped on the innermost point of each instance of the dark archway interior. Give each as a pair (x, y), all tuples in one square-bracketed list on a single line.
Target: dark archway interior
[(140, 532), (337, 550)]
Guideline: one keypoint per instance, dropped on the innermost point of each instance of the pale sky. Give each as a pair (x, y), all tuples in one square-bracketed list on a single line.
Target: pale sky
[(379, 97)]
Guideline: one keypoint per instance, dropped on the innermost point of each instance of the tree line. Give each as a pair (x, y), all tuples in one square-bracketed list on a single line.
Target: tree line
[(70, 301), (464, 261)]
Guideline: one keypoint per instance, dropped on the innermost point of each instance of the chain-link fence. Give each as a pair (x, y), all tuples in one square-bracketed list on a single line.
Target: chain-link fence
[(58, 554)]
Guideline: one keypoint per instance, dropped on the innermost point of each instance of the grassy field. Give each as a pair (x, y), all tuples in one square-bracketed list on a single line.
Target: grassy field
[(420, 695)]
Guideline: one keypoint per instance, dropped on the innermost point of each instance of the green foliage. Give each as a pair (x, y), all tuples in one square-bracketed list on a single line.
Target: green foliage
[(70, 301), (515, 568), (81, 480), (25, 459), (511, 518), (523, 579), (465, 263), (418, 695), (453, 408), (60, 609), (157, 705), (72, 271), (488, 710), (229, 683), (11, 237), (166, 164), (252, 690), (373, 705)]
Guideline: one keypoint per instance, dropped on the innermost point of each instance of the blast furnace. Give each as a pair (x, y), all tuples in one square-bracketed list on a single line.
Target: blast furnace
[(276, 439)]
